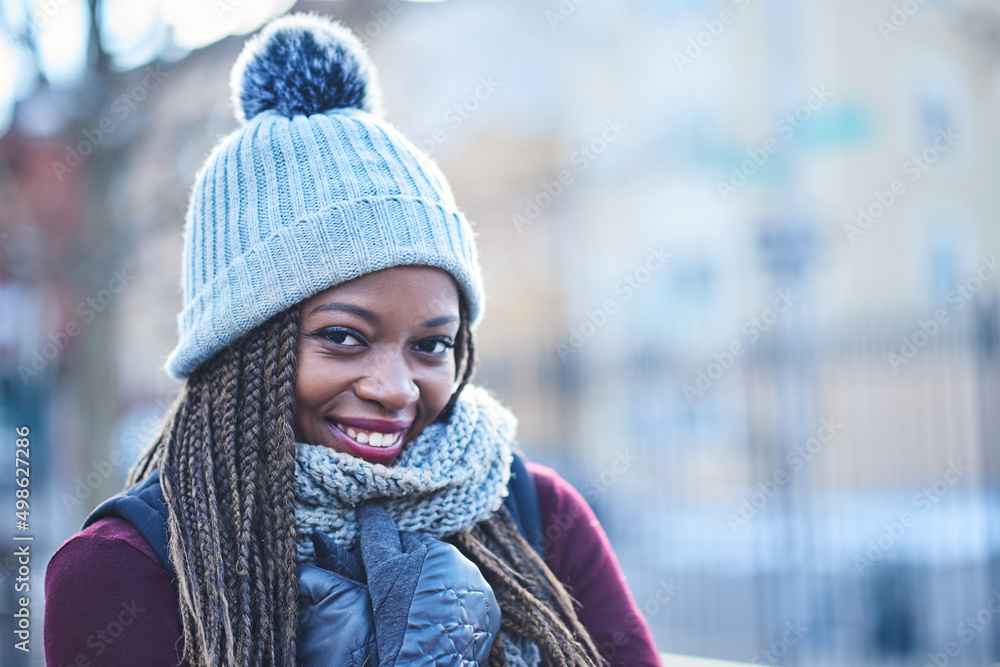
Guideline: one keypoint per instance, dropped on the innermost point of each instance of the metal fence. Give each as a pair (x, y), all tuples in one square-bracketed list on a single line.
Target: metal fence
[(829, 497)]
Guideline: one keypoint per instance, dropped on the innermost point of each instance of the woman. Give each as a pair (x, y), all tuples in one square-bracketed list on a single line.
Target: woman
[(328, 488)]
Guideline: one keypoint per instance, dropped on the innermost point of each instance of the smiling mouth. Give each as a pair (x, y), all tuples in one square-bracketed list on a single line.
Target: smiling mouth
[(371, 438), (368, 444)]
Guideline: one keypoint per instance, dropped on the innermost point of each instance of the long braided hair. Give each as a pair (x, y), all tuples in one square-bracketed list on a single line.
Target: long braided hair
[(226, 459)]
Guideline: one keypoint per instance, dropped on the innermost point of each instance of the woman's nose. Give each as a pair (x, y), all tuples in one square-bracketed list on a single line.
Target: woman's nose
[(389, 382)]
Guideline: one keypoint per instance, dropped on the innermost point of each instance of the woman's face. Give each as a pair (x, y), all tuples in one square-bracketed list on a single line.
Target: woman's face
[(376, 362)]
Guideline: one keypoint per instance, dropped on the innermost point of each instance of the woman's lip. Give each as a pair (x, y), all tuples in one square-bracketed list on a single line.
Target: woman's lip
[(383, 455), (380, 425)]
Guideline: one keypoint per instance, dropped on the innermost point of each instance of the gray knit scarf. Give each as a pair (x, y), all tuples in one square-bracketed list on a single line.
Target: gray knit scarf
[(451, 477)]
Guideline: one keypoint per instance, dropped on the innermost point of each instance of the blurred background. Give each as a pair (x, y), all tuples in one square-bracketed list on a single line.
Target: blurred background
[(741, 269)]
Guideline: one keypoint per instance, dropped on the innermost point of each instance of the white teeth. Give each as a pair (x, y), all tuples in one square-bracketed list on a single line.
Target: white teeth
[(373, 438)]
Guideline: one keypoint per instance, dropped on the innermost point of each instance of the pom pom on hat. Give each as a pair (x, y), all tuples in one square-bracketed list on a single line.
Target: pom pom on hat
[(303, 64)]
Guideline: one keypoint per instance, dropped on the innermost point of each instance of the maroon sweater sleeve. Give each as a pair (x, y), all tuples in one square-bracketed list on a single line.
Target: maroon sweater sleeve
[(579, 554), (109, 601)]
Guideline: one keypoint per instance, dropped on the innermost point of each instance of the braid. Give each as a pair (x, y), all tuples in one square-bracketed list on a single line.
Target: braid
[(226, 394), (283, 461), (209, 537), (535, 604), (465, 352), (226, 457), (271, 474), (252, 396)]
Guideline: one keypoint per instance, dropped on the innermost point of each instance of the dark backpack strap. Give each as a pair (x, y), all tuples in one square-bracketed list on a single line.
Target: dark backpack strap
[(142, 506), (522, 503)]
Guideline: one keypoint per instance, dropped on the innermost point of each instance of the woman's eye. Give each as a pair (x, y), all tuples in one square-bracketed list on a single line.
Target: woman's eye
[(435, 345), (340, 337)]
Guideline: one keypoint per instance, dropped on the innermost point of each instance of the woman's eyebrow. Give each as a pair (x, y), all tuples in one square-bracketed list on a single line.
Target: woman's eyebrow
[(438, 321), (363, 313)]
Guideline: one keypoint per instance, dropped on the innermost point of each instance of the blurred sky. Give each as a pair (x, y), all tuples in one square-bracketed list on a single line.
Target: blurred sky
[(133, 32)]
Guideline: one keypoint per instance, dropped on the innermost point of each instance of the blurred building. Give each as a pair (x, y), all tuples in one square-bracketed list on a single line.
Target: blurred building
[(821, 176)]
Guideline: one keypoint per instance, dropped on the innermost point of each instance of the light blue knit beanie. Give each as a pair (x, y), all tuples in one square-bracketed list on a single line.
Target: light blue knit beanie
[(313, 190)]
